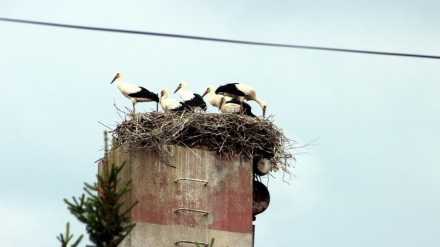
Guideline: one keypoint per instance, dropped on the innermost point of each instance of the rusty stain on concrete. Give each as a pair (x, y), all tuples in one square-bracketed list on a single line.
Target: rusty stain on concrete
[(227, 197)]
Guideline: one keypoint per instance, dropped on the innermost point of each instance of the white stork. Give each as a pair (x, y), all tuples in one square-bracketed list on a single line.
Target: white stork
[(171, 104), (228, 105), (133, 92), (241, 92), (192, 99), (214, 99)]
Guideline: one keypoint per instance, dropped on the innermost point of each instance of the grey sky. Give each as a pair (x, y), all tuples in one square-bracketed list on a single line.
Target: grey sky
[(370, 179)]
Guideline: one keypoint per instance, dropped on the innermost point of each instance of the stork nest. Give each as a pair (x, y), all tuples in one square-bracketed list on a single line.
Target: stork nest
[(226, 134)]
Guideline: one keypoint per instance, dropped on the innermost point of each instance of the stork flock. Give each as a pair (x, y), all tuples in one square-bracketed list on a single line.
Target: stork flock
[(228, 98)]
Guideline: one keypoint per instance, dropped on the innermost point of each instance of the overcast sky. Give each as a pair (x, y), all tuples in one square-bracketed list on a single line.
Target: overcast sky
[(371, 178)]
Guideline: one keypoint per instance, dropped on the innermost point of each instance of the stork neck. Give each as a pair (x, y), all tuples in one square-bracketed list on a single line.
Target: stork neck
[(211, 96), (164, 96), (260, 102), (119, 81)]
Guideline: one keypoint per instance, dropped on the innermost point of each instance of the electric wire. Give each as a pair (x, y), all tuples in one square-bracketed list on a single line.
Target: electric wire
[(243, 42)]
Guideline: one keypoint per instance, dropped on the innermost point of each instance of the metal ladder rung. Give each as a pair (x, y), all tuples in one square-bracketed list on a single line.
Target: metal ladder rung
[(189, 242), (192, 179), (191, 210)]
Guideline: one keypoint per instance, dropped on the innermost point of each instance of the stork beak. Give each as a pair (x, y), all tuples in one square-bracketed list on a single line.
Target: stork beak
[(205, 93), (177, 89), (116, 77), (264, 111), (222, 101)]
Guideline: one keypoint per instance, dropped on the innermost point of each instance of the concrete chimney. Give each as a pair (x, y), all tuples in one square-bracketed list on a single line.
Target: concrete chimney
[(194, 195)]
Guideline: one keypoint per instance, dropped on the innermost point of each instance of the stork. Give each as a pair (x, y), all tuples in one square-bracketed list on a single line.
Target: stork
[(214, 99), (233, 106), (171, 104), (192, 99), (241, 92), (133, 92)]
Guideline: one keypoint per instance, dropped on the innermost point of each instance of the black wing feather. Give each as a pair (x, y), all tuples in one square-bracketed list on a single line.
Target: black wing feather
[(230, 88), (247, 109), (182, 107), (197, 101), (145, 94)]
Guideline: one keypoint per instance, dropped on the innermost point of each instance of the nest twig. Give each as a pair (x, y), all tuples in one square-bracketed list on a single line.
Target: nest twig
[(226, 134)]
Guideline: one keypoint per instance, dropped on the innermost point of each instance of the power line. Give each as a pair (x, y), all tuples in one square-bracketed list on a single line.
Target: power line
[(168, 35)]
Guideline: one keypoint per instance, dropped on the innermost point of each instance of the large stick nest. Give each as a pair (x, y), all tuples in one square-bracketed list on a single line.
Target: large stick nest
[(226, 134)]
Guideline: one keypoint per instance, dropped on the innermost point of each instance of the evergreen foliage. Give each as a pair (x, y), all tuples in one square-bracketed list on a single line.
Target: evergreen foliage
[(102, 209), (65, 239)]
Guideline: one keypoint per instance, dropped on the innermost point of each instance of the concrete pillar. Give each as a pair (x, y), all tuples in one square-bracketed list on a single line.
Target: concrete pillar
[(204, 196)]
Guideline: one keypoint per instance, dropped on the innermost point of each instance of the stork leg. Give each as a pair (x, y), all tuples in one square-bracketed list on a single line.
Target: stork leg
[(134, 108), (241, 107)]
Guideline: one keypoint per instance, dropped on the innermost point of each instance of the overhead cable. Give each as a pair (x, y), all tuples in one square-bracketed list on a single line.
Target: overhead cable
[(243, 42)]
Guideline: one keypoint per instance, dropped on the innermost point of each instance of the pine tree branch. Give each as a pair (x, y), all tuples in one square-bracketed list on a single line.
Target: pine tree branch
[(65, 239), (101, 208)]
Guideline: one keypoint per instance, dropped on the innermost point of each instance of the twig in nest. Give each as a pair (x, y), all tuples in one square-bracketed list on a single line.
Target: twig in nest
[(105, 125), (226, 134)]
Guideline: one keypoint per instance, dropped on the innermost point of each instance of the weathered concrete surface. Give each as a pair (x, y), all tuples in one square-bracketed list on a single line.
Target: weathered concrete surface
[(170, 209), (153, 235)]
